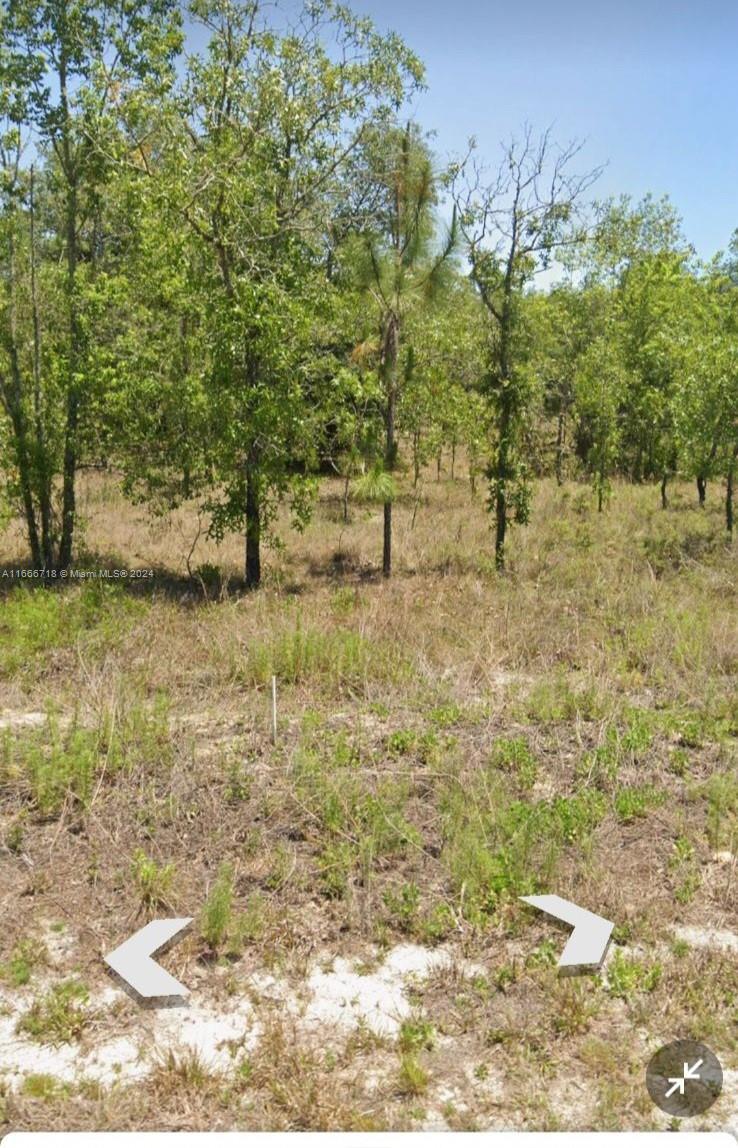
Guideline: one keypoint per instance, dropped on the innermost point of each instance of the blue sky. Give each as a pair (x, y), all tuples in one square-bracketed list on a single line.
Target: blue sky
[(651, 84)]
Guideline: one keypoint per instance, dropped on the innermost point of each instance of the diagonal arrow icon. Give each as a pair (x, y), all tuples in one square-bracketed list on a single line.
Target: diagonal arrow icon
[(588, 943), (133, 960), (691, 1072)]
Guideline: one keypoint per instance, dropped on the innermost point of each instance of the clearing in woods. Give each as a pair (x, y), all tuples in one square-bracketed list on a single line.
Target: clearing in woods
[(446, 742)]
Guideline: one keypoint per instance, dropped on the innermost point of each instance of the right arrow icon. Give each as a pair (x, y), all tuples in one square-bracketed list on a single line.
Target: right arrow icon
[(588, 944)]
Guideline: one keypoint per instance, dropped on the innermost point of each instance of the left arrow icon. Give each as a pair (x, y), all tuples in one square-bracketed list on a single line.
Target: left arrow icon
[(133, 960)]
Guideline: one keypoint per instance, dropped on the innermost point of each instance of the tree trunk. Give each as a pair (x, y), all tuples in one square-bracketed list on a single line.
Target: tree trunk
[(252, 565), (389, 462), (14, 404), (701, 489), (504, 429), (453, 461), (346, 488), (664, 496), (729, 495), (43, 466), (416, 458), (390, 354), (69, 471), (559, 464)]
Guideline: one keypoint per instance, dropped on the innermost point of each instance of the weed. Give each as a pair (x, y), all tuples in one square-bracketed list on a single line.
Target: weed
[(60, 1016), (633, 802), (339, 659), (513, 755), (26, 956), (220, 927), (403, 905), (416, 1034), (412, 1078), (153, 881), (626, 976), (722, 810), (43, 1086), (555, 699)]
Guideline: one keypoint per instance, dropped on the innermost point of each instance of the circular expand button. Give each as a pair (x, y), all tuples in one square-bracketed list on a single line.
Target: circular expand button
[(684, 1078)]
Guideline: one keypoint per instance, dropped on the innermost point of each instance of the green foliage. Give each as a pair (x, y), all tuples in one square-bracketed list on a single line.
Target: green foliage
[(633, 802), (63, 763), (25, 957), (498, 847), (514, 755), (363, 823), (33, 621), (627, 976), (223, 929), (722, 817), (340, 658), (60, 1016), (153, 881)]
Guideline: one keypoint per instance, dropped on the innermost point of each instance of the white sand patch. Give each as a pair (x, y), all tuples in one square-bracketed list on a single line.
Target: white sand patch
[(707, 938), (15, 719), (216, 1036), (343, 998), (106, 1061), (333, 999)]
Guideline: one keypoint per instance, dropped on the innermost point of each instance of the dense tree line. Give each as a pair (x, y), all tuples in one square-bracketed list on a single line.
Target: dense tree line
[(224, 270)]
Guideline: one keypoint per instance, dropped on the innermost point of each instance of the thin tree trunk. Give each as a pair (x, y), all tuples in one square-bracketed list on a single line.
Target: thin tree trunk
[(664, 496), (504, 427), (14, 404), (69, 470), (389, 461), (559, 464), (252, 564), (43, 468), (453, 460), (390, 353), (346, 488), (729, 495), (416, 458), (701, 489)]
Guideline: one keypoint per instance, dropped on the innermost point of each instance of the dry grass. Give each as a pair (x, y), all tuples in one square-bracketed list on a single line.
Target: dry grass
[(446, 742)]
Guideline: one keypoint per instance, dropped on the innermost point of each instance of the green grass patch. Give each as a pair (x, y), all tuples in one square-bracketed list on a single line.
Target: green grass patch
[(60, 1016), (36, 620)]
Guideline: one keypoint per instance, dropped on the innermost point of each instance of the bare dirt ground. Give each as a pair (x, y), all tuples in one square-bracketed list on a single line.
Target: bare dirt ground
[(359, 957)]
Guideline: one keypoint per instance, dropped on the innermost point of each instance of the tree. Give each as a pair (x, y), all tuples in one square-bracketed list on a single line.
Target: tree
[(705, 401), (399, 262), (247, 163), (639, 255), (64, 63), (514, 225)]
